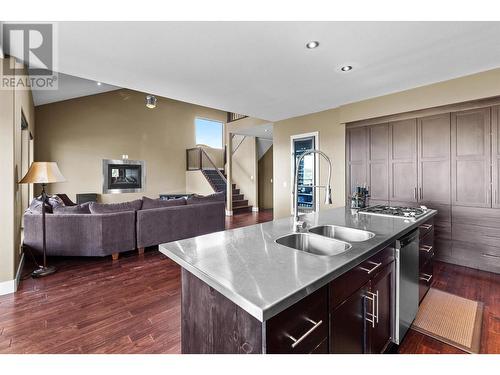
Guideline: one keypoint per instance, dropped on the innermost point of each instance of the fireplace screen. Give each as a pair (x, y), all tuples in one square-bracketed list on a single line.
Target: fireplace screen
[(123, 176)]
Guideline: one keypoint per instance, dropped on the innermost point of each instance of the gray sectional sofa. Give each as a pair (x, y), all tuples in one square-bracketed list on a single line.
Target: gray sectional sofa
[(99, 230)]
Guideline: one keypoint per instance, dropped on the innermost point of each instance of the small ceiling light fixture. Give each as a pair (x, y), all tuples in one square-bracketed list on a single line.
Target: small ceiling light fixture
[(313, 44), (151, 101), (99, 83), (346, 68)]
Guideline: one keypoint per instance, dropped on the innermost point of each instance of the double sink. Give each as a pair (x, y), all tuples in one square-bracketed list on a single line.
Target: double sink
[(325, 240)]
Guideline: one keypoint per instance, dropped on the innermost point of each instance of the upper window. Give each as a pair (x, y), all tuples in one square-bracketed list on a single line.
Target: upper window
[(209, 132)]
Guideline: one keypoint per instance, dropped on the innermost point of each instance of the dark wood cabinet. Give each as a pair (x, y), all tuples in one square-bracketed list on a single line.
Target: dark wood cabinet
[(426, 255), (362, 302), (470, 156), (381, 290), (349, 324)]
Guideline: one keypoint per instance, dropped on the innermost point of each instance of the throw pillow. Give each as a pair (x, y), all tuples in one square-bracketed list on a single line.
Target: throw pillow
[(52, 202), (103, 208), (199, 199), (77, 209), (148, 203)]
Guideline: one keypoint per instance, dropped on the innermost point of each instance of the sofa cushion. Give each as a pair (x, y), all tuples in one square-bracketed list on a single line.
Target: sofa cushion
[(199, 199), (52, 203), (107, 208), (148, 203), (76, 209)]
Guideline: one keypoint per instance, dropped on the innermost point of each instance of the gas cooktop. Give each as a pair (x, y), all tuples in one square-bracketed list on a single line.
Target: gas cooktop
[(398, 211)]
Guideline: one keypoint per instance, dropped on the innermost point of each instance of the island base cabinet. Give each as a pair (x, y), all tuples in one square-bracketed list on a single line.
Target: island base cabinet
[(363, 322)]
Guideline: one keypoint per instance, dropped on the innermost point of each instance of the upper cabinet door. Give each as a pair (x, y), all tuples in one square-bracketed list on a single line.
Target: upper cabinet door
[(403, 161), (470, 157), (495, 154), (378, 163), (434, 179), (356, 158)]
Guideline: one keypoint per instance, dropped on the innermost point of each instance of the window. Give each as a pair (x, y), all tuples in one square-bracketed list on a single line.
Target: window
[(209, 132)]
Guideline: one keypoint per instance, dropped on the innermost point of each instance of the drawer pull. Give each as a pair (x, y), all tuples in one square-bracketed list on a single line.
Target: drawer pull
[(369, 271), (426, 226), (425, 277), (299, 340), (426, 248)]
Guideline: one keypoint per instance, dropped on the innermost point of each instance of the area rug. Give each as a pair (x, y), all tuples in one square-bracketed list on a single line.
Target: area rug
[(451, 319)]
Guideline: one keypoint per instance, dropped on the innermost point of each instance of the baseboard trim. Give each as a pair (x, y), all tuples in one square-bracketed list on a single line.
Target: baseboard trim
[(229, 213), (255, 209), (10, 286)]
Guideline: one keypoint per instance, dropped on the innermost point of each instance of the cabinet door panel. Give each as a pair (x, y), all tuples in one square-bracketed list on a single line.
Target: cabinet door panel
[(378, 163), (495, 154), (402, 160), (356, 152), (434, 139), (348, 325), (470, 153), (381, 286)]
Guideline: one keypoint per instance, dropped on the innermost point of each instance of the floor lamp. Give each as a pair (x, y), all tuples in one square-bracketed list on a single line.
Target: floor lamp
[(43, 173)]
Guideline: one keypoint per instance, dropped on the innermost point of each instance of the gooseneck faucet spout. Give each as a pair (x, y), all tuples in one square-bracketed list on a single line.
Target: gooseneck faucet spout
[(297, 224)]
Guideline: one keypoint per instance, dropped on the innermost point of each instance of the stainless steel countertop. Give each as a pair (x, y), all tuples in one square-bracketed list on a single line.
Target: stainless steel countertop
[(264, 278)]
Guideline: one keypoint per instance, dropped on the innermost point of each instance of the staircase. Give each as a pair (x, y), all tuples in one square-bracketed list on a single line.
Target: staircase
[(240, 204)]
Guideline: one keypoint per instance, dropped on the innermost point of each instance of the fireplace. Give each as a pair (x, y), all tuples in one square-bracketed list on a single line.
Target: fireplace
[(123, 176)]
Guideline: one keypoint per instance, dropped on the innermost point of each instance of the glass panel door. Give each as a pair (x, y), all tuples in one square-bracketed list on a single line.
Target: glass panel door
[(306, 174)]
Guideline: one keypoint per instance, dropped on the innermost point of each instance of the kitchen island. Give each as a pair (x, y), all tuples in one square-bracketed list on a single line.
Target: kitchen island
[(241, 290)]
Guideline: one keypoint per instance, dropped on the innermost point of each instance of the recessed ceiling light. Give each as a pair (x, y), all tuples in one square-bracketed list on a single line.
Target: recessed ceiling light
[(99, 83), (312, 44), (346, 68)]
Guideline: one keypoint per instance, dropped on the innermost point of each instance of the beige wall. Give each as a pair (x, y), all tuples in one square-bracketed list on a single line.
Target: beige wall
[(265, 180), (244, 169), (331, 141), (12, 102), (79, 133), (331, 126), (197, 183)]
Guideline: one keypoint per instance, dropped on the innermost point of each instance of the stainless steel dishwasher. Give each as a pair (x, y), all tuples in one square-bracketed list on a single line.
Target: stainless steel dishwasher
[(406, 284)]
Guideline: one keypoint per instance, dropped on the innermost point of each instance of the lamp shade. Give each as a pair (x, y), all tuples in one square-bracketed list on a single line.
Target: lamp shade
[(42, 172)]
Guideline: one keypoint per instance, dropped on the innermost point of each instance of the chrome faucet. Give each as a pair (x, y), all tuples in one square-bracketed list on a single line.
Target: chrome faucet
[(298, 225)]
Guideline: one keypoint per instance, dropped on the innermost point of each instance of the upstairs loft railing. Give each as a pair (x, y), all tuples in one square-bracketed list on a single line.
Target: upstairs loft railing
[(198, 159), (234, 116)]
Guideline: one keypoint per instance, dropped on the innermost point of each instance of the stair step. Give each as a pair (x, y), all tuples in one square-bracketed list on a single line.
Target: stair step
[(240, 203), (238, 197), (236, 191), (240, 209)]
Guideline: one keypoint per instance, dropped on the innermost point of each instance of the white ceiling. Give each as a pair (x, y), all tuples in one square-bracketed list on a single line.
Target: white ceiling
[(70, 87), (263, 69), (260, 131)]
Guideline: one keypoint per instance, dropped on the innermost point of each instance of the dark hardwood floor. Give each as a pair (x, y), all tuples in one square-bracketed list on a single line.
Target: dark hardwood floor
[(468, 283), (94, 305)]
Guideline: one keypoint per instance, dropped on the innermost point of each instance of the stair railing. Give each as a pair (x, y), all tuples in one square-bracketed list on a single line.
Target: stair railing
[(239, 144), (195, 158)]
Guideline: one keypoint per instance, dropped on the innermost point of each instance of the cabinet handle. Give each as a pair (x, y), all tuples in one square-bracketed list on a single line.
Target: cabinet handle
[(426, 226), (490, 255), (369, 271), (421, 194), (426, 248), (301, 338), (425, 277), (373, 316), (415, 193)]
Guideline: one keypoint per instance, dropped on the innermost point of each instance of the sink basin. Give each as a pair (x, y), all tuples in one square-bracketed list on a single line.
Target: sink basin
[(342, 233), (310, 243)]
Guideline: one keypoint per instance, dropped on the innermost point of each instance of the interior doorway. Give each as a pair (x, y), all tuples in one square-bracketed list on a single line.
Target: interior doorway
[(265, 179)]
